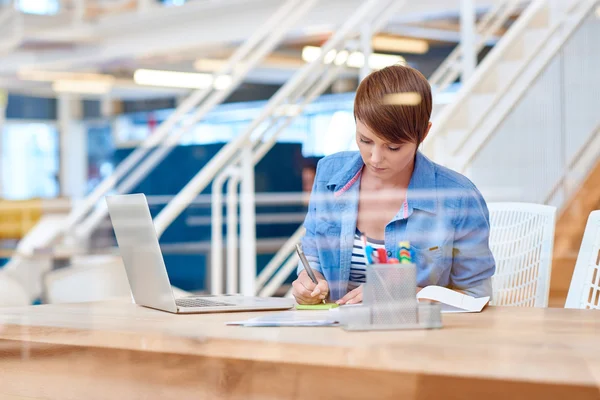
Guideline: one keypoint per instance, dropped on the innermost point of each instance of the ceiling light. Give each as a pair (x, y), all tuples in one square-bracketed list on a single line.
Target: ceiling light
[(311, 53), (341, 57), (400, 45), (376, 60), (355, 60), (82, 87), (187, 80)]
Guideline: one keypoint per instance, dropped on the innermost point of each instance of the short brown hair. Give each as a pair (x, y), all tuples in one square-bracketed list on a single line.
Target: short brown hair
[(394, 123)]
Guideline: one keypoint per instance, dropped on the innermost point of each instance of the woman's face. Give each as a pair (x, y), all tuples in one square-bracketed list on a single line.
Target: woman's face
[(385, 160)]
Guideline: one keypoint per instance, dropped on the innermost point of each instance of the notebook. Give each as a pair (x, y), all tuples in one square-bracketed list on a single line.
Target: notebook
[(290, 318)]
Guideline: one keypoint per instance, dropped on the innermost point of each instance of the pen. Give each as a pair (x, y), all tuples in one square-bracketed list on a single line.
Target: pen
[(382, 256), (404, 253), (368, 250), (307, 267)]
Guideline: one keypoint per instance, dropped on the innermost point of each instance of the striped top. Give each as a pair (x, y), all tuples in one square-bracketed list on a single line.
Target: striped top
[(358, 266)]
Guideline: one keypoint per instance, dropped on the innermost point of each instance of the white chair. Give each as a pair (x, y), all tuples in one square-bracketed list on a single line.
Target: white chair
[(91, 278), (87, 279), (12, 294), (584, 291), (521, 240)]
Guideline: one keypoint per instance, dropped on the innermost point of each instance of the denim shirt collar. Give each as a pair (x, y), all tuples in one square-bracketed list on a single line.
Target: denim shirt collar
[(421, 194)]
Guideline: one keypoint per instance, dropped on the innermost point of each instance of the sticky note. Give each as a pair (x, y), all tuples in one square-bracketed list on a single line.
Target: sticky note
[(316, 306)]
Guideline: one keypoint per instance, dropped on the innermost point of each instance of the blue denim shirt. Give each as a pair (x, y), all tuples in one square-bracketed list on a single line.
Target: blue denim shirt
[(444, 218)]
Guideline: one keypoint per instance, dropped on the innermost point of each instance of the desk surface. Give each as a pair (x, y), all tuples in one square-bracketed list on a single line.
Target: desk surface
[(551, 347)]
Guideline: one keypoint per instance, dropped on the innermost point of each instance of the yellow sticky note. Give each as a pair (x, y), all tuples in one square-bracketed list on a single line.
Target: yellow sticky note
[(316, 306)]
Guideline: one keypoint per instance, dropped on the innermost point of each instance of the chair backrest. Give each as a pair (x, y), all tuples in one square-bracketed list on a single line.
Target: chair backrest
[(12, 294), (584, 291), (521, 240), (91, 278)]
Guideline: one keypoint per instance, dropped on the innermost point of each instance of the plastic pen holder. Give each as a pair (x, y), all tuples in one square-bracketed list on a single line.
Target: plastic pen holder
[(389, 301)]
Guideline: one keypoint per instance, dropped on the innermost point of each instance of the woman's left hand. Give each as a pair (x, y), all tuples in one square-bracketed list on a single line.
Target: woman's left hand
[(352, 297)]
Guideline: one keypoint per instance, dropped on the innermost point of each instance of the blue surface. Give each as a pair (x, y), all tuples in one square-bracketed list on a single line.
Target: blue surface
[(27, 107)]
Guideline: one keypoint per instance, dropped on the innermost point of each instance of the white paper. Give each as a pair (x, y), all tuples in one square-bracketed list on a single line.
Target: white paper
[(451, 301), (290, 318)]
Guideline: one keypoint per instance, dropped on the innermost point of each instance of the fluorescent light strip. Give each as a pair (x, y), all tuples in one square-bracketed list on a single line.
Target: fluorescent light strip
[(186, 80)]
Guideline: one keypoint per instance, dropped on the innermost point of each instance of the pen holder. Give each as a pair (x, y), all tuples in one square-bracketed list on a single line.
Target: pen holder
[(389, 301)]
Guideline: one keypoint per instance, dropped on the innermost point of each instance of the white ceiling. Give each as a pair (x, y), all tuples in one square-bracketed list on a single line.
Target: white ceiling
[(178, 34)]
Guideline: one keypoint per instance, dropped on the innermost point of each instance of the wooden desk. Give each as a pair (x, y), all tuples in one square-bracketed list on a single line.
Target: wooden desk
[(121, 351)]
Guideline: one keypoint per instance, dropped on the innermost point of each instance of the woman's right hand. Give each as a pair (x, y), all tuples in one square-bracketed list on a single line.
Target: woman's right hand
[(306, 292)]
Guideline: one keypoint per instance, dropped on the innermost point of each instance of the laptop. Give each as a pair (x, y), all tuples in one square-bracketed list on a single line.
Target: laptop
[(147, 273)]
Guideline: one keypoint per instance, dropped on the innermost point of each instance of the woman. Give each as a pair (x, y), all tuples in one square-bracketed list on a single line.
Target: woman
[(390, 192)]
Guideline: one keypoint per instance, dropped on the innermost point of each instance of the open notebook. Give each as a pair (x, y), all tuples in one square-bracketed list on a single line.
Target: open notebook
[(451, 301)]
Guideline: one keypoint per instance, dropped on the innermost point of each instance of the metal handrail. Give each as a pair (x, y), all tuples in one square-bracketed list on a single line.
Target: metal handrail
[(227, 153), (284, 271), (305, 95), (484, 68), (449, 69), (256, 48), (575, 160), (277, 280), (262, 148), (521, 89), (281, 256), (287, 12)]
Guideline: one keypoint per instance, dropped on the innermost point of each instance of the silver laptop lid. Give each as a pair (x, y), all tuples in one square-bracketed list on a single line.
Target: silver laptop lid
[(140, 251)]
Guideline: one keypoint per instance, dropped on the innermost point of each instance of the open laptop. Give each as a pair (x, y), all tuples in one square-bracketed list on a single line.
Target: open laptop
[(146, 271)]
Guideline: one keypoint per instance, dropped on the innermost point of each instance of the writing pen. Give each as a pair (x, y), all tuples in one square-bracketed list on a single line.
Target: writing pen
[(307, 267)]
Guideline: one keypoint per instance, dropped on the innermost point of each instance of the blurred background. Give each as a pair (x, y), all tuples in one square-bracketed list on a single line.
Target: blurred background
[(235, 101)]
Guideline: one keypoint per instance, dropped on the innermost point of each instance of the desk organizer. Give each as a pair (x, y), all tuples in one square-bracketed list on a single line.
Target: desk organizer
[(389, 302)]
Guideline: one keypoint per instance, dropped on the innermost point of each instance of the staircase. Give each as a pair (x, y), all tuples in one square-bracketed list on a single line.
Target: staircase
[(502, 79), (74, 232), (462, 132), (493, 127), (236, 160), (275, 273), (538, 85), (570, 227)]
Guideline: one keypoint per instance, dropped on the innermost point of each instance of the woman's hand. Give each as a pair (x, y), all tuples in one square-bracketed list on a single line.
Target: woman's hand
[(353, 297), (356, 296), (306, 292)]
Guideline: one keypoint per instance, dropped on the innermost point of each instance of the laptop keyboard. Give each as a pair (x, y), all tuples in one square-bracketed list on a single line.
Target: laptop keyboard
[(201, 303)]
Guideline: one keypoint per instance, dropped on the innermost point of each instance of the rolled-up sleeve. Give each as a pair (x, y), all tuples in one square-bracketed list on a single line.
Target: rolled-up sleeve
[(309, 241), (473, 263)]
